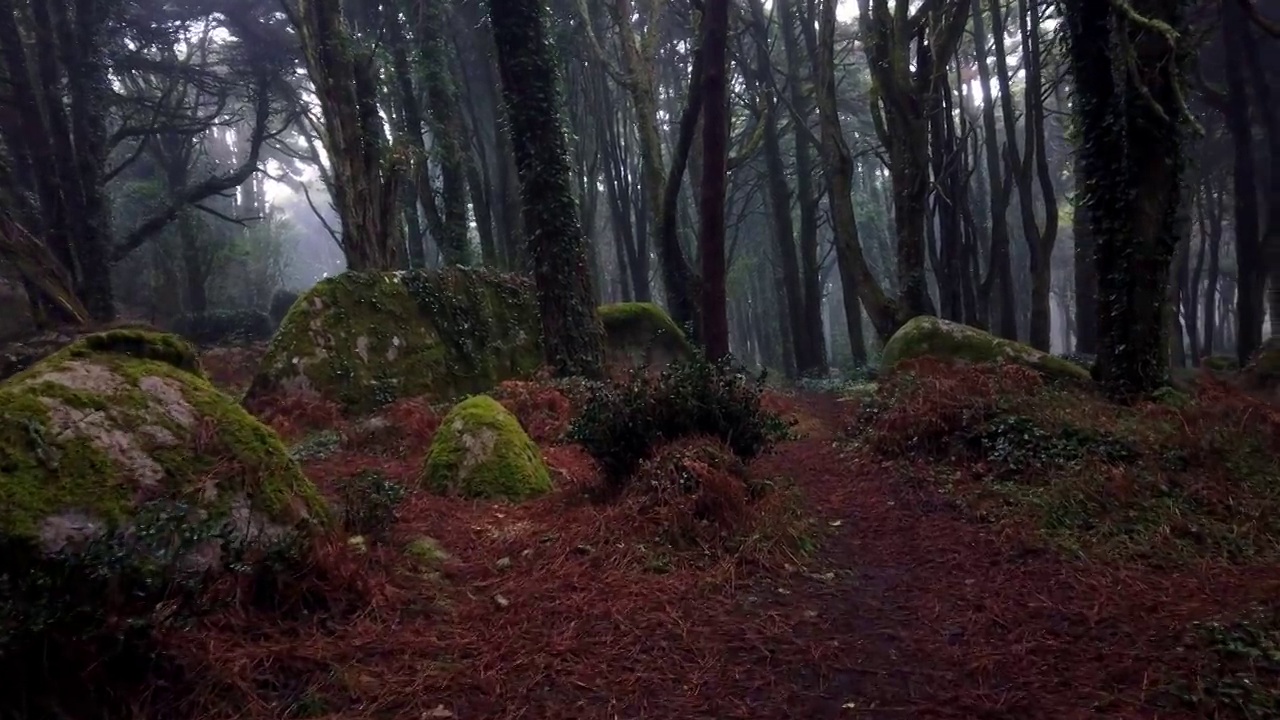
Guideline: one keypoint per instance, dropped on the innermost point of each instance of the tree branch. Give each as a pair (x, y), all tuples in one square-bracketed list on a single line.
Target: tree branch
[(210, 186)]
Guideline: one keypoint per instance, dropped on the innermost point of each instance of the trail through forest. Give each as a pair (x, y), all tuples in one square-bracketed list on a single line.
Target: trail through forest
[(906, 605), (931, 615)]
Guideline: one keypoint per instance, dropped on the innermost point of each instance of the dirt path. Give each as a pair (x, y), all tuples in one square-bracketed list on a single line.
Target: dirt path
[(932, 615), (553, 609)]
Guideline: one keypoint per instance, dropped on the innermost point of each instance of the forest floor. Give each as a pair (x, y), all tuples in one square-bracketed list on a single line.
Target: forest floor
[(1024, 570)]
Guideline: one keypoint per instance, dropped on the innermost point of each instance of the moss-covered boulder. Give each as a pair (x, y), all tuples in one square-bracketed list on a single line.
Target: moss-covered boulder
[(1220, 363), (642, 335), (1263, 371), (366, 339), (927, 336), (480, 451), (125, 419)]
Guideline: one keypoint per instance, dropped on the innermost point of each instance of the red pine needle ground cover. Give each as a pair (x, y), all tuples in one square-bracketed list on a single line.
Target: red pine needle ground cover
[(567, 607)]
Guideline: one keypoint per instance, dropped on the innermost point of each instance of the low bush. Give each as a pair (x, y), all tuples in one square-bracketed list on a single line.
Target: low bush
[(225, 326), (623, 421)]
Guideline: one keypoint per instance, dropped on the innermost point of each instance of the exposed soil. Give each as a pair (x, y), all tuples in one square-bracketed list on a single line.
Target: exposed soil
[(561, 608)]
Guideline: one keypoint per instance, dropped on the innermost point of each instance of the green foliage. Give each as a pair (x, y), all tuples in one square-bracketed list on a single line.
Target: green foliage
[(223, 326), (1240, 675), (281, 302), (82, 624), (1014, 444), (369, 503), (624, 421)]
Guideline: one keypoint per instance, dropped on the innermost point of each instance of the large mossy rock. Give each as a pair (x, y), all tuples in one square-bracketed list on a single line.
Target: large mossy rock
[(125, 419), (1263, 371), (927, 336), (480, 451), (363, 340), (642, 335)]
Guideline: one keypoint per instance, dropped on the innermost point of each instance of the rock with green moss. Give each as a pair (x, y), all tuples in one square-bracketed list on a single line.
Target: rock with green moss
[(927, 336), (365, 339), (1220, 363), (480, 451), (1263, 371), (125, 419), (642, 335)]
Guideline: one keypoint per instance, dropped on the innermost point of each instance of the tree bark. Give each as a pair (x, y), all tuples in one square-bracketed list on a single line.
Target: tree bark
[(571, 331)]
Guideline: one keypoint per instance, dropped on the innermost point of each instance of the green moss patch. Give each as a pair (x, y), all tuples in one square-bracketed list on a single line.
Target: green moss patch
[(364, 340), (1157, 482), (642, 335), (481, 451), (927, 336), (115, 421)]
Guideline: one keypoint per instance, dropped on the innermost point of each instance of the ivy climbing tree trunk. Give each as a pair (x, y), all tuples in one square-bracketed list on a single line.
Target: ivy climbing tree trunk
[(446, 131), (1132, 127), (571, 333)]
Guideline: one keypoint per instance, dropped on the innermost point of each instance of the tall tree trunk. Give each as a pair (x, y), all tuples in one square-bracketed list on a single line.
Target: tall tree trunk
[(367, 173), (811, 358), (714, 311), (1132, 161), (1086, 268), (1249, 259), (998, 284), (854, 270), (571, 332), (446, 132), (779, 194)]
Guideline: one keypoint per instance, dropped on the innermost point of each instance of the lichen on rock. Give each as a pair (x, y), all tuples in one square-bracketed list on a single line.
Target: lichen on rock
[(642, 335), (928, 336), (480, 451), (366, 339), (122, 419)]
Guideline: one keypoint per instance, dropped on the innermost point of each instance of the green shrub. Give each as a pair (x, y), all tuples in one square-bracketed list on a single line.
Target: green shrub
[(223, 326), (369, 504), (624, 421), (281, 302)]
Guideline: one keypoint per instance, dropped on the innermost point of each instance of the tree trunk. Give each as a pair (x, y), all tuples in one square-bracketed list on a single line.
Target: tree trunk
[(1132, 162), (714, 311), (1249, 257), (571, 331), (854, 271)]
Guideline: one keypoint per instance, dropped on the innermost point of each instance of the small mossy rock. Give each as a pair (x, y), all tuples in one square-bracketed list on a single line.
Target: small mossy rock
[(928, 336), (642, 335), (1220, 363), (123, 419), (365, 339), (1263, 371), (480, 451)]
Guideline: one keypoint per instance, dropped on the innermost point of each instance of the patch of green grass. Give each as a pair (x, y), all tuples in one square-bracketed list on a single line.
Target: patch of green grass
[(1239, 676)]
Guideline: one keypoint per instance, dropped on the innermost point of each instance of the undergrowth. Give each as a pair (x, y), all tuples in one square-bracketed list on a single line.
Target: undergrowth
[(1162, 481), (83, 630), (624, 421), (1239, 676)]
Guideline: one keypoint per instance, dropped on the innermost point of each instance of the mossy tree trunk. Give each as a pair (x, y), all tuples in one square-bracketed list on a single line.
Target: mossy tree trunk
[(446, 131), (573, 340), (367, 173), (1132, 127)]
